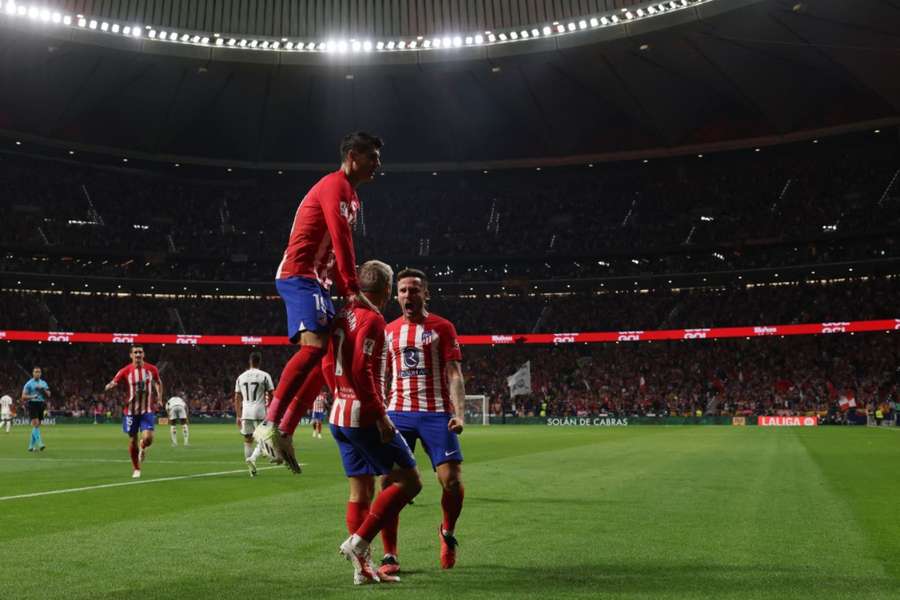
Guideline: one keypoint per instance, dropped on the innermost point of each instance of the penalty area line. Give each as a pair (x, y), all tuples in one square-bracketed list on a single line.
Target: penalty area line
[(127, 483)]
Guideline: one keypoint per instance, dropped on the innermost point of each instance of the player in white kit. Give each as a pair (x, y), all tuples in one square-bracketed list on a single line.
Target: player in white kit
[(6, 412), (177, 410), (252, 394)]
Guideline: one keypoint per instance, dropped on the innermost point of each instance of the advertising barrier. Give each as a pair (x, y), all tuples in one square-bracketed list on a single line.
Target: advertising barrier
[(711, 333), (787, 421)]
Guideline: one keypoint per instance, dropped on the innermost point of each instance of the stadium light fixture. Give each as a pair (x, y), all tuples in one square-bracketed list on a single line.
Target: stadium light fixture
[(35, 12)]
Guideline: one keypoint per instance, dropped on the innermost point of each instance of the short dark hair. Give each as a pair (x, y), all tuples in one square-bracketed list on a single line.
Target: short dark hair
[(360, 141), (135, 346), (410, 272), (255, 358)]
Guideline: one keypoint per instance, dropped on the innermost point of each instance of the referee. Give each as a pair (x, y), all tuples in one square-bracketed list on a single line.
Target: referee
[(35, 393)]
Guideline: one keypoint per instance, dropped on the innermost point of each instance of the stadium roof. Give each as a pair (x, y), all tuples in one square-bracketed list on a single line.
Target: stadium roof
[(736, 72)]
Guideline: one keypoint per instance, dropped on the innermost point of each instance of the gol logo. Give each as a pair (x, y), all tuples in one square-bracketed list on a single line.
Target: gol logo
[(630, 336)]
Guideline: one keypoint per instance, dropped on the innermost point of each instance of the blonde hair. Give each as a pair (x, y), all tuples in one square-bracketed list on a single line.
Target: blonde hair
[(374, 276)]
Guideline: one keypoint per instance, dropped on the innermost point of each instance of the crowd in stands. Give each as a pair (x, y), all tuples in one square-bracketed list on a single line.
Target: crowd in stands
[(783, 206), (834, 202), (780, 304), (759, 376)]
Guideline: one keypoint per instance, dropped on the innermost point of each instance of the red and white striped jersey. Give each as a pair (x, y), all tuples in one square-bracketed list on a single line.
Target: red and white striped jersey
[(319, 404), (417, 354), (142, 396), (320, 246), (353, 367)]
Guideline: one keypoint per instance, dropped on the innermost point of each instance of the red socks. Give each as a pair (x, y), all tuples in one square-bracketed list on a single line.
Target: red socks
[(452, 503), (133, 451), (294, 374), (389, 529), (387, 506), (303, 401), (356, 514)]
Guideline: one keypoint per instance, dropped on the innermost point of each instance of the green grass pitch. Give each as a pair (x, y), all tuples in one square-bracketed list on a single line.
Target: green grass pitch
[(637, 512)]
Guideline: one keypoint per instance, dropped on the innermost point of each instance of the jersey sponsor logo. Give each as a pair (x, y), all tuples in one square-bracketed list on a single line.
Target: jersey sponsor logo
[(412, 359), (629, 336), (190, 340), (564, 338), (695, 334), (838, 327), (765, 330), (59, 336), (123, 338), (502, 339), (251, 340)]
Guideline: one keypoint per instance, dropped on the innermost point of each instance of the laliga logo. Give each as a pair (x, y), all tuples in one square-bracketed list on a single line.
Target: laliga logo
[(252, 340), (190, 340), (765, 330), (564, 338), (809, 422), (695, 334), (834, 327), (630, 336), (59, 336), (123, 338), (501, 339)]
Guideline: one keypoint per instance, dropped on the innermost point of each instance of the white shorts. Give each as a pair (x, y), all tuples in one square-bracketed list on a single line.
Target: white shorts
[(248, 425), (5, 416), (177, 412)]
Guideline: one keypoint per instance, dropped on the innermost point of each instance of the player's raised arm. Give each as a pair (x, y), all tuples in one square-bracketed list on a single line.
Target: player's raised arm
[(336, 199)]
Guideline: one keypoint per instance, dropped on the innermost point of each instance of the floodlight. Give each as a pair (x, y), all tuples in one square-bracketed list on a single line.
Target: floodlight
[(595, 22), (560, 28), (426, 44), (502, 37), (367, 46), (547, 30), (457, 41), (104, 26), (92, 24)]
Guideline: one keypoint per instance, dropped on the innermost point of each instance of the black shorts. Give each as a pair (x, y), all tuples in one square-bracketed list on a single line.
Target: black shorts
[(36, 410)]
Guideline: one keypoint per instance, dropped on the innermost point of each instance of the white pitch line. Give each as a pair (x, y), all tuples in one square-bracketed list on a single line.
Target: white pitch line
[(119, 460), (126, 483)]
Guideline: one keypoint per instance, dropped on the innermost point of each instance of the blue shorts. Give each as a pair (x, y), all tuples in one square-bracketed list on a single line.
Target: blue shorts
[(441, 444), (308, 306), (363, 453), (131, 425), (318, 416)]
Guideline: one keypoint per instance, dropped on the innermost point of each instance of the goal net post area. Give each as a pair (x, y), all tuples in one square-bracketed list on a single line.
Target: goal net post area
[(477, 409)]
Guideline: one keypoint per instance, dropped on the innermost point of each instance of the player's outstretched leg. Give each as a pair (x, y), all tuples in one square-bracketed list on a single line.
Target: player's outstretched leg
[(300, 404), (390, 565), (405, 485), (134, 453), (185, 434), (449, 474)]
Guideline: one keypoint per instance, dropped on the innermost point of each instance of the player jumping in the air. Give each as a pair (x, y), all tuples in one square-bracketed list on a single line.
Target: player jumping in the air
[(318, 414), (35, 393), (368, 441), (145, 388), (252, 393), (319, 252), (6, 415), (427, 403), (177, 409)]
